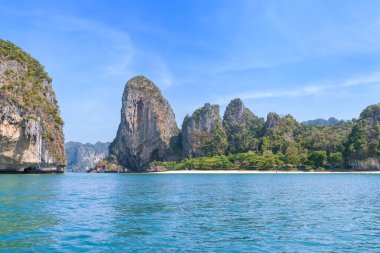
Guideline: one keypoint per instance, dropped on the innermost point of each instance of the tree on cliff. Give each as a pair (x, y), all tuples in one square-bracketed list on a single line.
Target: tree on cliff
[(364, 140)]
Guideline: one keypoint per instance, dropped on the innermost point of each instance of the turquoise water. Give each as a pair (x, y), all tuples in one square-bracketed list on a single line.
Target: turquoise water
[(189, 213)]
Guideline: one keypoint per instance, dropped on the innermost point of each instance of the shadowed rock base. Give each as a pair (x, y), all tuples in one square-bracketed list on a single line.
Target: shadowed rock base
[(33, 170)]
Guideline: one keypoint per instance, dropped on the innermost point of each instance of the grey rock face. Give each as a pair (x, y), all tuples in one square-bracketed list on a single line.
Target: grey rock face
[(203, 133), (84, 157), (148, 130), (272, 123), (11, 66), (287, 125), (236, 111), (369, 163)]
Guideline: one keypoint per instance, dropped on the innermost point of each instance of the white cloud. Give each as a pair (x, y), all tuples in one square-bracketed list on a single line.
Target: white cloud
[(307, 90), (73, 23), (122, 65), (369, 79), (119, 50), (322, 32), (123, 58), (243, 65)]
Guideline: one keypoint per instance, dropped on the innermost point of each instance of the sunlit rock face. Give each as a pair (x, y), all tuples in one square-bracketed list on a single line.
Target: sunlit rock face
[(148, 130), (31, 136)]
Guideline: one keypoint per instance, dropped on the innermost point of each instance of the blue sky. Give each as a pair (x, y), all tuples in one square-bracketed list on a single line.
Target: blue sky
[(308, 58)]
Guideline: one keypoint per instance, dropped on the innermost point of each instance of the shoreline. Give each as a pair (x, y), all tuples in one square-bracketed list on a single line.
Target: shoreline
[(260, 172)]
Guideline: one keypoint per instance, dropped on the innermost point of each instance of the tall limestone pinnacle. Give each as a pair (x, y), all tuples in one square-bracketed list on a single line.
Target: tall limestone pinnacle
[(31, 136), (148, 129)]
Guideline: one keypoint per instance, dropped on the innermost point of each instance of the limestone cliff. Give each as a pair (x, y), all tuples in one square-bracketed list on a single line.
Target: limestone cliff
[(147, 131), (84, 157), (243, 128), (203, 133), (279, 133), (285, 126), (31, 136), (363, 147)]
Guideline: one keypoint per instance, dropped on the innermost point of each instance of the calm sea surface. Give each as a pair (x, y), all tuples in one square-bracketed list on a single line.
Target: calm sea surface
[(189, 213)]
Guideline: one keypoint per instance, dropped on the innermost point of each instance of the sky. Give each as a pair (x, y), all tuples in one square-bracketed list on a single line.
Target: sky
[(310, 59)]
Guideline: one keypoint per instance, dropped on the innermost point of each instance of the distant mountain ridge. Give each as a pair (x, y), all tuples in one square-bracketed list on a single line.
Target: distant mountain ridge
[(322, 122), (83, 157)]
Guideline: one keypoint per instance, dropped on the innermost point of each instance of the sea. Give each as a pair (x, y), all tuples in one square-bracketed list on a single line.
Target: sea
[(190, 213)]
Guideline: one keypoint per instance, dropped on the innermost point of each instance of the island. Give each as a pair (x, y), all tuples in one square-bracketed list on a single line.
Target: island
[(149, 140)]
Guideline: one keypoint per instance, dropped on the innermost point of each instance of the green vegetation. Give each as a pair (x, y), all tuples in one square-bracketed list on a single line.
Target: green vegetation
[(335, 159), (141, 83), (279, 133), (243, 128), (248, 161), (364, 140), (329, 138), (217, 144), (210, 143), (283, 143), (10, 51), (318, 158), (199, 141), (27, 84)]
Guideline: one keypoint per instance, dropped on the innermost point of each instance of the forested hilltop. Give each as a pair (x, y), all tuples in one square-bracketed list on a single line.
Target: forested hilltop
[(280, 142)]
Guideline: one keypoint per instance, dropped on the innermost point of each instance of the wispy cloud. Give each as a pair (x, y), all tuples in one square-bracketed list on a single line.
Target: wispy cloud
[(307, 90), (122, 66), (120, 50), (164, 75), (70, 22), (357, 30), (244, 65), (123, 57)]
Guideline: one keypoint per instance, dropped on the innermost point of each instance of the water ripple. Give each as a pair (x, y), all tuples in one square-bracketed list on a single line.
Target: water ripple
[(189, 213)]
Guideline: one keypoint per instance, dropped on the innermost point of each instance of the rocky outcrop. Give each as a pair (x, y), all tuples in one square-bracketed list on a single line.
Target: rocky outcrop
[(203, 133), (108, 166), (31, 136), (243, 128), (363, 146), (148, 130), (84, 157), (279, 133), (283, 125), (370, 163)]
